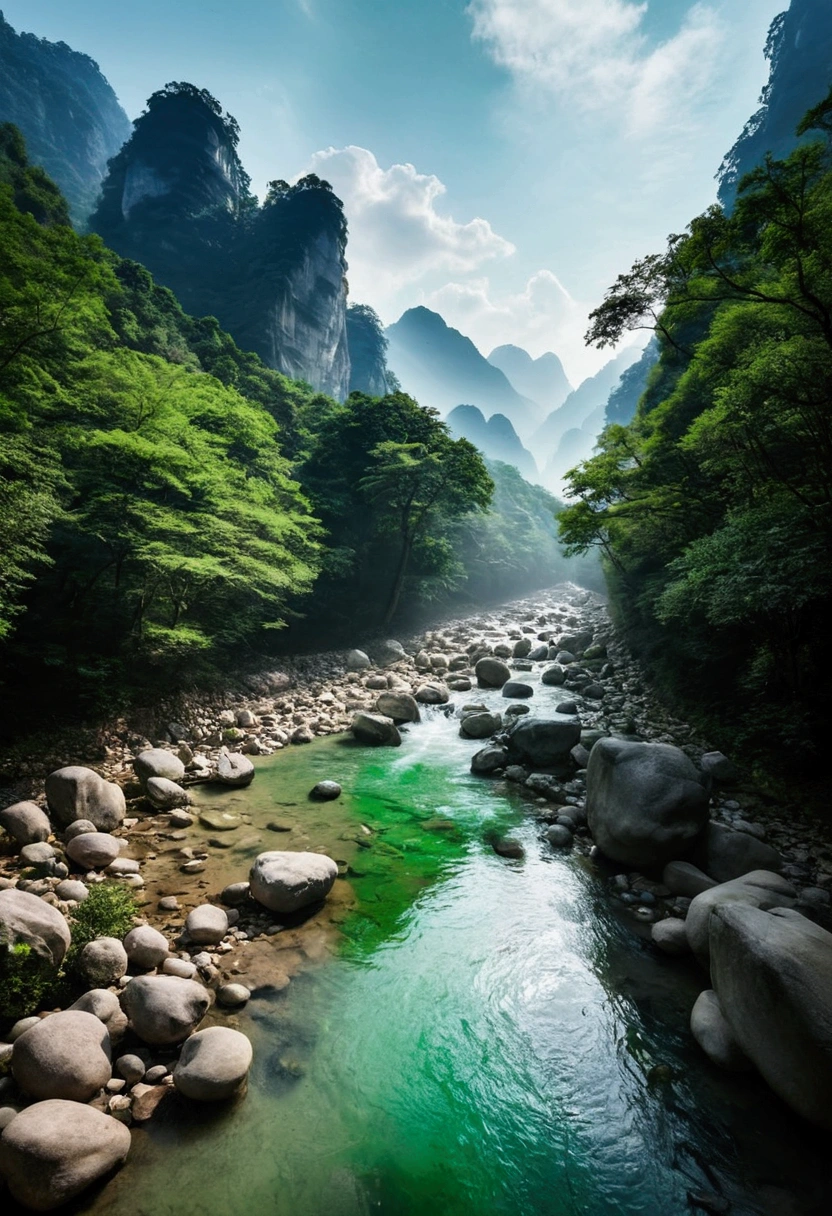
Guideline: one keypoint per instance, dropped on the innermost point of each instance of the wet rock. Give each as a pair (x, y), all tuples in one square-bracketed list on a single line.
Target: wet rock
[(156, 762), (772, 973), (565, 657), (286, 881), (206, 925), (357, 660), (146, 947), (646, 802), (374, 730), (433, 693), (400, 706), (479, 725), (219, 820), (234, 769), (682, 878), (508, 846), (544, 742), (164, 1008), (553, 676), (724, 854), (93, 850), (213, 1065), (488, 760), (165, 794), (103, 962), (27, 919), (26, 823), (594, 692), (760, 889), (522, 648), (79, 793), (67, 1055), (671, 936), (492, 673), (515, 688), (559, 836), (54, 1150), (713, 1034), (325, 791), (570, 708), (232, 996)]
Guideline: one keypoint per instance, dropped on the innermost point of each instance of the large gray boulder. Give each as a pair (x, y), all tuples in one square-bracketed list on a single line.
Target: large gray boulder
[(554, 676), (492, 673), (104, 1005), (544, 742), (488, 759), (29, 920), (103, 962), (433, 693), (682, 878), (772, 972), (388, 652), (26, 823), (166, 794), (213, 1064), (400, 706), (206, 925), (357, 660), (67, 1055), (158, 762), (724, 854), (760, 889), (79, 793), (712, 1032), (646, 802), (164, 1008), (146, 947), (287, 881), (375, 730), (53, 1150), (480, 725), (93, 850), (234, 769)]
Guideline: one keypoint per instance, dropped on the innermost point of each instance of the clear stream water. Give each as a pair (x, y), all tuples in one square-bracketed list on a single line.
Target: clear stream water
[(491, 1038)]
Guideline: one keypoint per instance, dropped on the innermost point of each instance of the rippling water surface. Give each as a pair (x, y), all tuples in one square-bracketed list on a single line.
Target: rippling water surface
[(491, 1038)]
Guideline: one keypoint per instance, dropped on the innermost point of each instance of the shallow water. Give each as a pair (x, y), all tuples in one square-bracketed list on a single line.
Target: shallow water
[(490, 1038)]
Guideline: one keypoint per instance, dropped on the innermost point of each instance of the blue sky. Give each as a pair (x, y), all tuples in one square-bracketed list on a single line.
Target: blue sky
[(500, 160)]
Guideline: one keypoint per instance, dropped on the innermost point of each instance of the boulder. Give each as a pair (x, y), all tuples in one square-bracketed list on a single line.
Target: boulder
[(480, 725), (53, 1150), (286, 881), (28, 920), (772, 973), (388, 652), (325, 791), (207, 925), (488, 760), (39, 856), (646, 802), (104, 1005), (234, 769), (164, 1008), (492, 673), (26, 823), (720, 768), (103, 962), (157, 762), (399, 706), (682, 878), (375, 730), (146, 947), (235, 894), (522, 648), (434, 693), (166, 794), (72, 889), (724, 854), (93, 850), (559, 836), (554, 676), (760, 889), (78, 827), (515, 688), (213, 1065), (357, 660), (79, 793), (713, 1034), (67, 1055), (544, 742), (670, 936)]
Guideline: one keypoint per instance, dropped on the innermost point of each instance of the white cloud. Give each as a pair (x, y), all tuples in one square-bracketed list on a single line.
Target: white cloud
[(397, 236), (596, 54)]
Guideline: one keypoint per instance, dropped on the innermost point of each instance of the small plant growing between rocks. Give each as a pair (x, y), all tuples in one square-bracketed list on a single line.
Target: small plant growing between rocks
[(108, 911), (27, 981)]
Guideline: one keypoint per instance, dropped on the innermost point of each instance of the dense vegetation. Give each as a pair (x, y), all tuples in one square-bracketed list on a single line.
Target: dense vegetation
[(713, 508), (167, 502)]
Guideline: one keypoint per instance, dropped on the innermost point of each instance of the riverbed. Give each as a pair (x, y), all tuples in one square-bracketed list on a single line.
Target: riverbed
[(478, 1035)]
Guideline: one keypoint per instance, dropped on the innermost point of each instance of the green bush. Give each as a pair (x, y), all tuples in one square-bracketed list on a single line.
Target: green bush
[(26, 981), (107, 911)]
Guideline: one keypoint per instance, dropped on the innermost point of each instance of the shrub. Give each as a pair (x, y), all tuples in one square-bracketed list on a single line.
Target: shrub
[(27, 980), (107, 911)]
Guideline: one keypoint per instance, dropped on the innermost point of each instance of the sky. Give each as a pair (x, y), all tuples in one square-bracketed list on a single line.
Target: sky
[(500, 161)]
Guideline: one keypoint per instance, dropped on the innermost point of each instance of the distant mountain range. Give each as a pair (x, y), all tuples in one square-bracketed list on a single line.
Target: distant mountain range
[(496, 438), (543, 379)]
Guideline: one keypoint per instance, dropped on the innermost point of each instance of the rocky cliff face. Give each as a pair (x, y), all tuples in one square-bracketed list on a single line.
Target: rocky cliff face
[(799, 51), (368, 352), (69, 115), (177, 199)]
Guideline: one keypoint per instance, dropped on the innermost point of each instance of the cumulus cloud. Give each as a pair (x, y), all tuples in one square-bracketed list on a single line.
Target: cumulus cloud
[(596, 53), (398, 235)]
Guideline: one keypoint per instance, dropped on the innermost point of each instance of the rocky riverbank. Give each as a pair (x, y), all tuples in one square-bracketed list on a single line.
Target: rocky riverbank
[(146, 813)]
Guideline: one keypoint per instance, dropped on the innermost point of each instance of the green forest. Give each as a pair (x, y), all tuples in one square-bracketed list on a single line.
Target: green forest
[(169, 505), (712, 509)]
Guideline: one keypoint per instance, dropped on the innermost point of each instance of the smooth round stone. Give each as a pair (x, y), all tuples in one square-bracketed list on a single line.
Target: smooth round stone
[(93, 850), (157, 762), (179, 966), (7, 1113), (219, 821), (516, 689), (154, 1075), (233, 995), (20, 1027), (103, 962), (671, 936), (166, 794), (325, 791), (559, 836), (81, 827), (213, 1064), (567, 707), (67, 1055), (72, 889), (181, 819), (38, 854), (25, 822), (146, 947), (131, 1068), (123, 865), (165, 1009), (235, 893), (207, 925)]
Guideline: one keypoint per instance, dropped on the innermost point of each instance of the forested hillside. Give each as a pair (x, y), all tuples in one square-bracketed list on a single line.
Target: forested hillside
[(713, 508)]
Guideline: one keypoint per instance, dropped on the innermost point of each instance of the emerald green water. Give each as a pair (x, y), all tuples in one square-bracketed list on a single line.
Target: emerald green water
[(490, 1039)]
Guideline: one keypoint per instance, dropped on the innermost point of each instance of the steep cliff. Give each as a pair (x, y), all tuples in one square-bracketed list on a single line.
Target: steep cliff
[(542, 379), (368, 352), (66, 110), (799, 51), (496, 438), (177, 199)]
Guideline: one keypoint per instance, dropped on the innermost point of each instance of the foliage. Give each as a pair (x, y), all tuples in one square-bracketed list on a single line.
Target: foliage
[(108, 911), (713, 508), (27, 981)]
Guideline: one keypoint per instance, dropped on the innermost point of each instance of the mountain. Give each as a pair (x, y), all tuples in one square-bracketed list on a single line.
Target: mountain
[(68, 113), (496, 438), (581, 402), (543, 379), (368, 352), (799, 51), (624, 398), (177, 199), (440, 367)]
